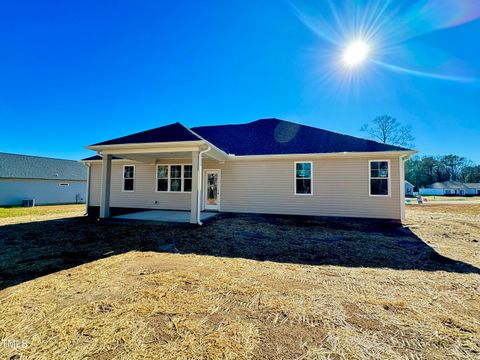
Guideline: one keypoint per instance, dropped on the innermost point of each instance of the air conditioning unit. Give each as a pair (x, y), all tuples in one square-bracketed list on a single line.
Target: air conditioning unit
[(28, 203)]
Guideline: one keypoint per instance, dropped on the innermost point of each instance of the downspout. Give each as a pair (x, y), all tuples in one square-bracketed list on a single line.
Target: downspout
[(199, 180)]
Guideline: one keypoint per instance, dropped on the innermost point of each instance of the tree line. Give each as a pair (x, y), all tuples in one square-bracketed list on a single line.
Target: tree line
[(425, 170), (421, 170)]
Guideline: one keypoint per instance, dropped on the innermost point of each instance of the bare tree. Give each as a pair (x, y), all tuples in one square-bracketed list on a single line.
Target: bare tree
[(454, 164), (389, 130)]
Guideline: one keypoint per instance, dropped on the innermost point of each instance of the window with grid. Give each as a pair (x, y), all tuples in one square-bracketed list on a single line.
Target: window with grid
[(187, 178), (128, 177), (379, 178), (303, 178), (162, 178), (174, 178)]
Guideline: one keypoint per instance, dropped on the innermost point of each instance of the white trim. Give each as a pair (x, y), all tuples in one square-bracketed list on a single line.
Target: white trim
[(204, 190), (370, 179), (182, 179), (124, 178), (87, 195), (401, 163), (158, 145), (301, 156), (321, 155), (200, 185), (295, 178)]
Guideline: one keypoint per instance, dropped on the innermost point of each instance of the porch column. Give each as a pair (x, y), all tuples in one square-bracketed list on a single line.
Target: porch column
[(105, 191), (194, 195)]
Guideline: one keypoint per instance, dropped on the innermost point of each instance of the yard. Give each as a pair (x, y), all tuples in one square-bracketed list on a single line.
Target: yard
[(242, 287)]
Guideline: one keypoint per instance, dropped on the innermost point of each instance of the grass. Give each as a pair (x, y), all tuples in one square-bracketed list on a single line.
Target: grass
[(45, 210), (244, 287), (450, 198)]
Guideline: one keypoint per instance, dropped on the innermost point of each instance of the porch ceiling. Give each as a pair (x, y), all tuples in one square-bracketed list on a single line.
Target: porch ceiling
[(152, 158)]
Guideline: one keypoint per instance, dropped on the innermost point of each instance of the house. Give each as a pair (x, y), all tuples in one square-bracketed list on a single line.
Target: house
[(267, 166), (46, 180), (474, 188), (409, 188), (451, 188)]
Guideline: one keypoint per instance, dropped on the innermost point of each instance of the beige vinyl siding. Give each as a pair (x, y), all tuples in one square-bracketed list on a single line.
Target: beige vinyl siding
[(95, 184), (340, 188), (144, 194)]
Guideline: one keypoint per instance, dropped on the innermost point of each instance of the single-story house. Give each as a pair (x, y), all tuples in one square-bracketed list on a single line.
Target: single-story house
[(474, 188), (45, 180), (451, 188), (267, 166), (409, 188)]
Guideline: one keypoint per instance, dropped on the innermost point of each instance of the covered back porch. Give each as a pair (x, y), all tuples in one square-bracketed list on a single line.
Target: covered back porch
[(185, 181)]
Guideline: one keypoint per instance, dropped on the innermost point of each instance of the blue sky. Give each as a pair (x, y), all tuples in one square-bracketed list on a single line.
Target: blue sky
[(78, 72)]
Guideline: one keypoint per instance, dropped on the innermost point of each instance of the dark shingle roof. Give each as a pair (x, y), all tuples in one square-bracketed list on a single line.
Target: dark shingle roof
[(168, 133), (261, 137), (16, 166), (274, 136)]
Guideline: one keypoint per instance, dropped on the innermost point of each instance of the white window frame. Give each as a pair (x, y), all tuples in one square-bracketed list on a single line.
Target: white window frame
[(295, 178), (169, 177), (370, 179), (123, 178)]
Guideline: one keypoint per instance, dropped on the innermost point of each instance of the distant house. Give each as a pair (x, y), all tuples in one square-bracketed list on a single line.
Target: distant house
[(46, 180), (267, 166), (451, 188), (475, 187), (409, 188)]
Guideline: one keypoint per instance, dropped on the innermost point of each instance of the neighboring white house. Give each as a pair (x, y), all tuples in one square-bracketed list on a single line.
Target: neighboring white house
[(474, 188), (267, 166), (46, 180), (409, 188), (451, 188)]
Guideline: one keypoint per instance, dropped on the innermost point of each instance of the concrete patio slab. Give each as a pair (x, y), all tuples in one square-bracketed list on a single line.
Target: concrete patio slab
[(165, 215)]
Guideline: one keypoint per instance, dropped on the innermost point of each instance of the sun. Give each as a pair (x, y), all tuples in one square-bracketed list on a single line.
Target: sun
[(355, 53)]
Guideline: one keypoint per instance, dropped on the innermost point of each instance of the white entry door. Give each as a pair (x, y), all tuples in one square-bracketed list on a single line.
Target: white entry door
[(212, 190)]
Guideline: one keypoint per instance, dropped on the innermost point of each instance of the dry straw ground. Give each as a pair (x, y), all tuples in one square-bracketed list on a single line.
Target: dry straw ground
[(244, 287)]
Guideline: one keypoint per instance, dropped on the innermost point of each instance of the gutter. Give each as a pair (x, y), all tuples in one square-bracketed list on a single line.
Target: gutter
[(199, 180)]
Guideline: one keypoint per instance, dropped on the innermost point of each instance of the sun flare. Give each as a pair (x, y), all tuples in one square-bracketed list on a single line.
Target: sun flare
[(355, 53)]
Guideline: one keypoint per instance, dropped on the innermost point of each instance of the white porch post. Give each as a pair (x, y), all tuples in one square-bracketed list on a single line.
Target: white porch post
[(106, 176), (193, 200)]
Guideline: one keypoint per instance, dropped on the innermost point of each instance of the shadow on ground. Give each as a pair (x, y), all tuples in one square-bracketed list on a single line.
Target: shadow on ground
[(30, 250)]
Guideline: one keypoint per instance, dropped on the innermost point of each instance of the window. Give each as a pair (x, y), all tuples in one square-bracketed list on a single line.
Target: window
[(128, 177), (379, 178), (303, 178), (174, 178), (162, 178), (187, 178)]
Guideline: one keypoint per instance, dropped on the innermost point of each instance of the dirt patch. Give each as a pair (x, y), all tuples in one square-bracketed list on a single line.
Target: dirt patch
[(244, 287)]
